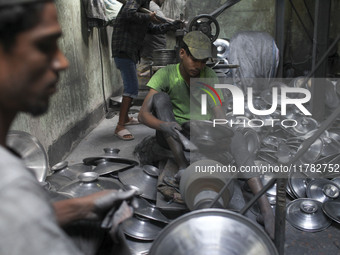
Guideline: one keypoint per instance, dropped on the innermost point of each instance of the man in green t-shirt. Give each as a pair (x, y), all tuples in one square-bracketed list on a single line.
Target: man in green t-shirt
[(169, 104)]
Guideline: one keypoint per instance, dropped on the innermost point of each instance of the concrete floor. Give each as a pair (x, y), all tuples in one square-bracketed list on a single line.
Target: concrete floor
[(297, 242)]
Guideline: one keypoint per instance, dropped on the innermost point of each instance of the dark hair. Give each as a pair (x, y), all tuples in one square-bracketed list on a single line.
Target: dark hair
[(16, 19), (184, 46)]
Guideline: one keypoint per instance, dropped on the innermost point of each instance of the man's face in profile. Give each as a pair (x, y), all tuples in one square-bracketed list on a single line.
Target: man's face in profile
[(30, 70)]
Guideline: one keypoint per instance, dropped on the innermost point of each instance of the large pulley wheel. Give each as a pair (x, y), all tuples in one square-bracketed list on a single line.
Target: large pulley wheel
[(207, 24)]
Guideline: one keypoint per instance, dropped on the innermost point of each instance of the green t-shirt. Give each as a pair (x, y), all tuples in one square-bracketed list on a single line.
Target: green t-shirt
[(186, 101)]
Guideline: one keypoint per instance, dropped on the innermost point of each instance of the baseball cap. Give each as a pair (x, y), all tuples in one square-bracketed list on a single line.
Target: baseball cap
[(15, 2), (199, 44)]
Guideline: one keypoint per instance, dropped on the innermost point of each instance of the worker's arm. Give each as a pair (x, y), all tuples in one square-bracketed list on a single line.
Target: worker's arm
[(145, 115), (94, 206)]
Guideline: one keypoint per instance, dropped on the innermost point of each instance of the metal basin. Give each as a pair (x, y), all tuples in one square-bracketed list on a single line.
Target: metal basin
[(89, 183), (31, 151), (212, 231), (306, 214)]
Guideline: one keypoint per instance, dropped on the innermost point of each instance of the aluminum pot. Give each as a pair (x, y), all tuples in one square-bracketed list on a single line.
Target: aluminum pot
[(212, 231)]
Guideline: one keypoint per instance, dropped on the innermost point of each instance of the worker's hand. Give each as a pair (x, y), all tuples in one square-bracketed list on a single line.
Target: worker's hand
[(105, 200), (169, 128), (153, 18), (177, 24)]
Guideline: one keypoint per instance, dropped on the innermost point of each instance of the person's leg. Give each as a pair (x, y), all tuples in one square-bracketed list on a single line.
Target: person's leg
[(129, 75), (162, 109)]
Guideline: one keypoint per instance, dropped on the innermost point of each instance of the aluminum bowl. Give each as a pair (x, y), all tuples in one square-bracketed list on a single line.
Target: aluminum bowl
[(212, 231)]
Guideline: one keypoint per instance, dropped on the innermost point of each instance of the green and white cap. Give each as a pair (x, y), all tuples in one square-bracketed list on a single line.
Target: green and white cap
[(199, 44)]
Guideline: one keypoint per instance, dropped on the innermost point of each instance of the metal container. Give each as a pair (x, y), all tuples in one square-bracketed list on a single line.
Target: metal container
[(89, 183), (31, 151), (212, 231)]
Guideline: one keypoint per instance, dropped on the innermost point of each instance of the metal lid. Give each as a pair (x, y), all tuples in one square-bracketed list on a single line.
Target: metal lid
[(141, 228), (305, 125), (298, 183), (31, 151), (71, 172), (313, 153), (212, 231), (110, 154), (89, 183), (306, 214), (332, 210), (322, 190), (137, 177), (106, 166), (149, 211)]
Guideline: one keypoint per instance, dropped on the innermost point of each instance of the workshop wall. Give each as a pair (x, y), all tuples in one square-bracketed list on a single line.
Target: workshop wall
[(79, 103)]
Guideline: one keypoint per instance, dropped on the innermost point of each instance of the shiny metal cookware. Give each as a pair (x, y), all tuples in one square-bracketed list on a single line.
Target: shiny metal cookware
[(63, 174), (110, 154), (322, 190), (149, 211), (298, 182), (31, 151), (145, 179), (332, 210), (141, 228), (212, 231), (89, 183), (307, 215)]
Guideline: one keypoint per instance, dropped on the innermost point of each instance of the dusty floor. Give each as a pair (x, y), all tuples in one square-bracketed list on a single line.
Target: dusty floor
[(297, 242)]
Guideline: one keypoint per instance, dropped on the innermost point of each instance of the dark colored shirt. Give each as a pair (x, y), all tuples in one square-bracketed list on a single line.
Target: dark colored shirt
[(130, 28)]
